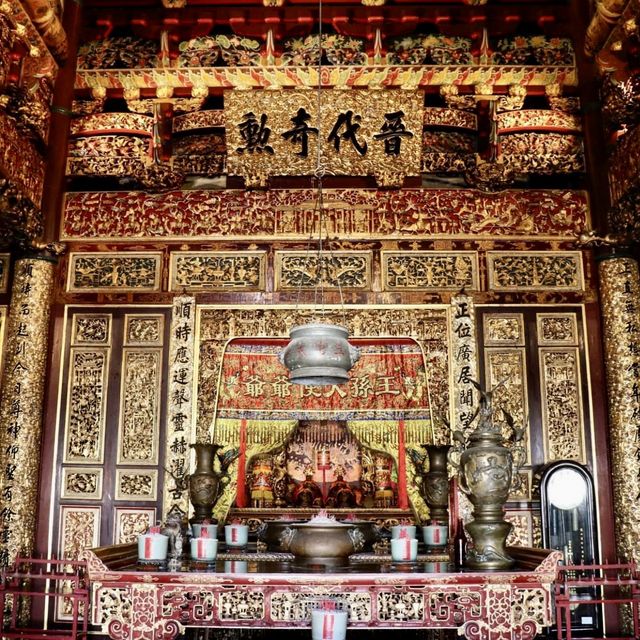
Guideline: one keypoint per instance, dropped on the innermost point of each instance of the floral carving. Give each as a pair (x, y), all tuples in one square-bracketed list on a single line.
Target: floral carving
[(117, 53)]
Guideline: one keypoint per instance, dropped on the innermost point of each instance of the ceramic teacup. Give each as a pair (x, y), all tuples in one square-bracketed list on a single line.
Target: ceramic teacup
[(236, 535), (205, 530), (435, 535), (204, 549), (404, 549)]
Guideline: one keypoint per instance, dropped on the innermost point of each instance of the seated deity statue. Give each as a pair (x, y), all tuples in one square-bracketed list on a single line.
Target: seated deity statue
[(307, 493), (341, 495)]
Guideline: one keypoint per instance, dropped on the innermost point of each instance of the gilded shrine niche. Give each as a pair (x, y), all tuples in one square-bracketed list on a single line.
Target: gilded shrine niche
[(323, 465), (347, 446)]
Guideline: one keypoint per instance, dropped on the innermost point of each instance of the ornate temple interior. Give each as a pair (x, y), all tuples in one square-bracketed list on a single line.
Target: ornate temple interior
[(316, 310)]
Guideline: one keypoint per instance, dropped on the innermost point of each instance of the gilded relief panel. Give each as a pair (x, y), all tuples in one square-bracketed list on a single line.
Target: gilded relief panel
[(81, 483), (136, 484), (506, 374), (501, 329), (562, 418), (535, 271), (111, 272), (91, 328), (147, 330), (557, 329), (86, 404), (79, 530), (522, 532), (430, 270), (139, 406), (218, 271), (335, 270), (129, 523)]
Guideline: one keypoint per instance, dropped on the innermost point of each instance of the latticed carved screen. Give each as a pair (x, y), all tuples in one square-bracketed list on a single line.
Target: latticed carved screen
[(536, 355), (111, 425)]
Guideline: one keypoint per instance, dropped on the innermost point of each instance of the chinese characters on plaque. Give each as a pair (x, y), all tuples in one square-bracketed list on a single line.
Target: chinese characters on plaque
[(464, 359), (180, 404), (276, 133)]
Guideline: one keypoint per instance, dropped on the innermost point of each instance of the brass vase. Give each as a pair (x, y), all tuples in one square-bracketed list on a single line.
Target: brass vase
[(486, 470), (204, 482), (435, 482)]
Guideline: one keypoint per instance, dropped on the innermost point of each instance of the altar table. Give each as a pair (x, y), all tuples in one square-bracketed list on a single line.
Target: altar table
[(143, 605)]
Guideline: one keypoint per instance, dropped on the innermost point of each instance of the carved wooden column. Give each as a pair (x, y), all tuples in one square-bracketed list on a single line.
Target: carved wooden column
[(21, 403), (620, 293)]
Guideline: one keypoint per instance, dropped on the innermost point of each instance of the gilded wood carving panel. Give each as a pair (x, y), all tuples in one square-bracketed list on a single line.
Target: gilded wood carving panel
[(91, 328), (557, 329), (350, 213), (335, 270), (145, 330), (136, 484), (81, 483), (86, 404), (94, 272), (430, 270), (502, 329), (535, 271), (507, 368), (217, 271), (562, 414), (140, 406), (128, 523)]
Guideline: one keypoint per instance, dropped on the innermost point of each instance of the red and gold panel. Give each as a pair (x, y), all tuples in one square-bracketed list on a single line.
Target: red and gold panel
[(350, 213), (91, 329), (81, 483), (389, 376), (522, 533)]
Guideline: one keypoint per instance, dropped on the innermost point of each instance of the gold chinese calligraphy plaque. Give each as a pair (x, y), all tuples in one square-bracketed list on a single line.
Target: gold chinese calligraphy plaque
[(275, 133)]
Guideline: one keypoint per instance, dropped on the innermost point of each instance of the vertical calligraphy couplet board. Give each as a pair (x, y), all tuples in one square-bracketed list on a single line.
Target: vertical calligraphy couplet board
[(180, 404)]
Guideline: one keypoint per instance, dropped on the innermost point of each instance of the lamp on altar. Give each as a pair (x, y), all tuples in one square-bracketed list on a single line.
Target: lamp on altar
[(319, 353)]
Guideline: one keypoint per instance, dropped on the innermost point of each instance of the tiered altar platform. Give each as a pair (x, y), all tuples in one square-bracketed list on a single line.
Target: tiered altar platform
[(272, 591)]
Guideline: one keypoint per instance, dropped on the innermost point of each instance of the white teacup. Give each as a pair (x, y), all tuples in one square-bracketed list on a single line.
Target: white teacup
[(204, 549), (435, 535), (235, 566), (152, 546), (328, 625), (205, 530), (404, 549), (236, 535), (408, 529)]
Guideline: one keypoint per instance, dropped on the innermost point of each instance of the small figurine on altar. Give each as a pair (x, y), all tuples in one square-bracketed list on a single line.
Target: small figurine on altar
[(341, 495), (261, 483), (385, 495), (307, 493)]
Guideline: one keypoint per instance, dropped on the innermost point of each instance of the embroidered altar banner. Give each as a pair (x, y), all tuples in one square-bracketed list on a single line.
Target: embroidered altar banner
[(389, 380)]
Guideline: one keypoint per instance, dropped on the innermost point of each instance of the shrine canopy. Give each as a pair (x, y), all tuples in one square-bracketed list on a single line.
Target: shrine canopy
[(388, 382)]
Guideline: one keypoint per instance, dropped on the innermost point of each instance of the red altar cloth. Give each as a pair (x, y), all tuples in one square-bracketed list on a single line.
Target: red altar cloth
[(143, 605)]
